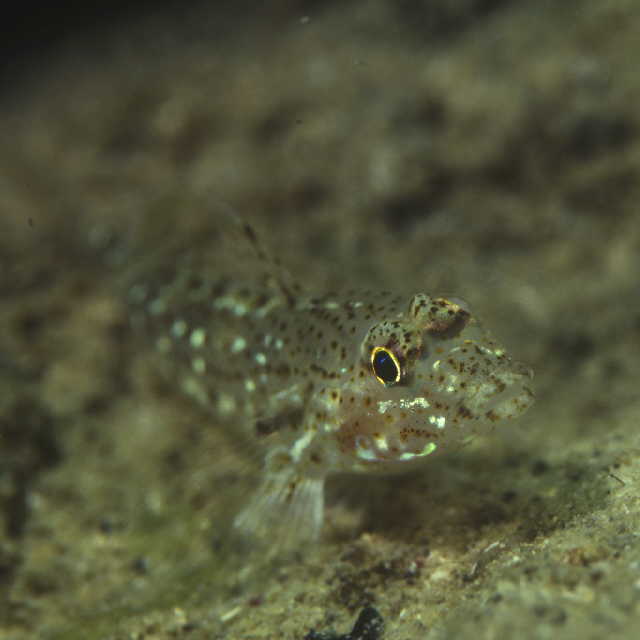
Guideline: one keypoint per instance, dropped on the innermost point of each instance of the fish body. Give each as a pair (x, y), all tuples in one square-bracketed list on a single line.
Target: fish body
[(360, 382)]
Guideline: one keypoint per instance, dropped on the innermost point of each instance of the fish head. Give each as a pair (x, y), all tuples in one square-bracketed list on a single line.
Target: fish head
[(428, 378)]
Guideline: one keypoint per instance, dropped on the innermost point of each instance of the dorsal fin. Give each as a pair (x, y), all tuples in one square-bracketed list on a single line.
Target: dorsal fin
[(220, 246)]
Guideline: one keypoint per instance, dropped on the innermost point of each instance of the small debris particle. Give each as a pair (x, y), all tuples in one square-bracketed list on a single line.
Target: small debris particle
[(140, 565), (368, 626), (229, 615)]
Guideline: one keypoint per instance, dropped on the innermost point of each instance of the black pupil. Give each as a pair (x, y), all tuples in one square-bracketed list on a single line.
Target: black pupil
[(384, 366)]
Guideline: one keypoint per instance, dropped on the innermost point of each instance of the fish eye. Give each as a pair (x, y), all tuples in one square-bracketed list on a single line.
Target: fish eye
[(385, 365)]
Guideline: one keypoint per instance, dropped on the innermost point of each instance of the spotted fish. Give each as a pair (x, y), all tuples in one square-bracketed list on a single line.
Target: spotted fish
[(360, 382)]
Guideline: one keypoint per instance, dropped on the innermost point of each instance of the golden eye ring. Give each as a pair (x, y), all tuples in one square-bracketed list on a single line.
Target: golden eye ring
[(385, 366)]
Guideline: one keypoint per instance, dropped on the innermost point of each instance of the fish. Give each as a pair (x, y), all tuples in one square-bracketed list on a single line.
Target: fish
[(367, 381)]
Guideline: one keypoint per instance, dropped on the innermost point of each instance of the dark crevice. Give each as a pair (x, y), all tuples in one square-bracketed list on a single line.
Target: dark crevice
[(28, 448)]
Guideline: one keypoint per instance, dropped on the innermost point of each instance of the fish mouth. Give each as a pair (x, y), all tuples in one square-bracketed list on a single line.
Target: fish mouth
[(505, 393), (478, 380), (510, 395)]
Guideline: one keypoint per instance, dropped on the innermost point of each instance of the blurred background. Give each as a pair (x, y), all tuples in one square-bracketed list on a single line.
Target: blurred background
[(486, 149)]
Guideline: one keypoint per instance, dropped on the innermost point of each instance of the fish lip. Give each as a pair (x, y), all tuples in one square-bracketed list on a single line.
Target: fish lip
[(520, 368)]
